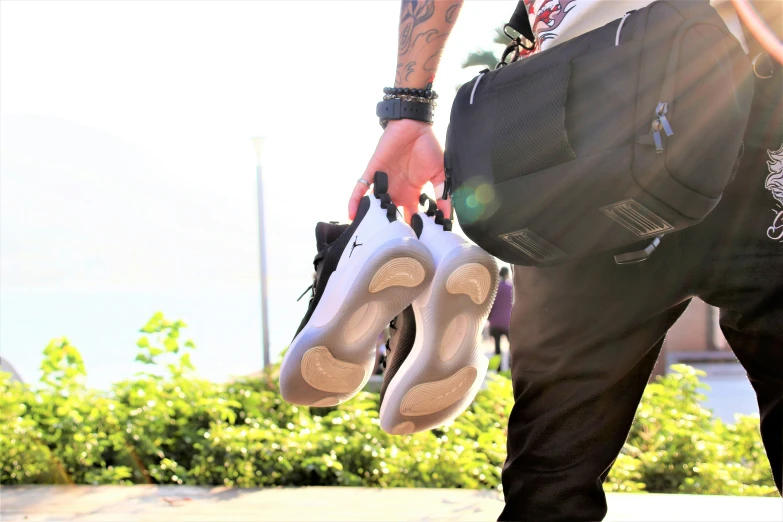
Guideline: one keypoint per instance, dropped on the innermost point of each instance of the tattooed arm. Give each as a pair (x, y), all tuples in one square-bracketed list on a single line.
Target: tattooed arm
[(408, 150), (424, 27)]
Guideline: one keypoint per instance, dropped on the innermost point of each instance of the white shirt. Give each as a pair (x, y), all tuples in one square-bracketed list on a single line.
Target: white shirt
[(555, 21)]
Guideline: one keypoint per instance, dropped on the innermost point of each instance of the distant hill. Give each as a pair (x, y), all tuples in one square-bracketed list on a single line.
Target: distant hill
[(6, 366)]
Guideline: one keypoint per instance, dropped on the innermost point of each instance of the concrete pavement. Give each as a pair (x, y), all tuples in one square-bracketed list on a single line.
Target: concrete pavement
[(205, 504)]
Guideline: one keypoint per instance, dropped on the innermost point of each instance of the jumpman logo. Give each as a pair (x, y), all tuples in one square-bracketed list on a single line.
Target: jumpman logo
[(355, 244)]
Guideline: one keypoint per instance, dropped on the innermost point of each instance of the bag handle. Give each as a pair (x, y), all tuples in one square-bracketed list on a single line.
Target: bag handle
[(520, 23)]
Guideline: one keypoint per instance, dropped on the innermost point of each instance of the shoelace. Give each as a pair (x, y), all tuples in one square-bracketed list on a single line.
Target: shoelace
[(432, 210), (318, 259), (392, 326), (312, 294)]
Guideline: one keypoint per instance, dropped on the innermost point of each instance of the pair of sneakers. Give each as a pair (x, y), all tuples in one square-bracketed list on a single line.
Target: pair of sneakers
[(435, 289)]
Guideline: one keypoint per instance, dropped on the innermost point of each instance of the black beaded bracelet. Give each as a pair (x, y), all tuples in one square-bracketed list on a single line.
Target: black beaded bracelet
[(428, 93)]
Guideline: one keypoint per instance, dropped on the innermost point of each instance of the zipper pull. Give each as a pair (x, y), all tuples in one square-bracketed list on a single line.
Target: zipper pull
[(656, 132), (661, 123), (661, 111), (447, 184)]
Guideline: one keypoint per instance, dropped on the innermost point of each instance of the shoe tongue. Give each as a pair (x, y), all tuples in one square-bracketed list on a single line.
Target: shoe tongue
[(327, 233)]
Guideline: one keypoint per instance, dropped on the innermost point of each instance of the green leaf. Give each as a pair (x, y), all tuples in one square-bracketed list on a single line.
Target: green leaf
[(144, 359), (494, 363), (486, 58), (171, 345), (185, 362)]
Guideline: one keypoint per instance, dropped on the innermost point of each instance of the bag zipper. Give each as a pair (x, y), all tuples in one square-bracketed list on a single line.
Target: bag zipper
[(475, 85), (661, 123), (447, 184)]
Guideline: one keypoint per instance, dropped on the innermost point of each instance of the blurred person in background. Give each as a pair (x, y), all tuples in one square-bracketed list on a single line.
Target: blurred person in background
[(500, 315)]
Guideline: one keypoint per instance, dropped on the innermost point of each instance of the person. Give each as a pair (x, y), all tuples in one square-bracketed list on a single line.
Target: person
[(585, 335), (500, 315)]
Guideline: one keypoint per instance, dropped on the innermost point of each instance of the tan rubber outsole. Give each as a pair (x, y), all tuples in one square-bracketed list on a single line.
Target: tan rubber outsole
[(403, 271), (473, 280), (327, 402), (323, 372), (404, 428), (430, 397)]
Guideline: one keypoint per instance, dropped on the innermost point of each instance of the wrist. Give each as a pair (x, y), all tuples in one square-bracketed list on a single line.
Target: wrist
[(408, 125), (407, 103), (399, 109)]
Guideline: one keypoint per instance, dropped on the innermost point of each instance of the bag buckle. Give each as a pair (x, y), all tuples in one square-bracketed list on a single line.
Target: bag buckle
[(769, 70), (517, 42)]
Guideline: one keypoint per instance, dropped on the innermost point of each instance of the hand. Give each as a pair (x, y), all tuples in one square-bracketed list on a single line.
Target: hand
[(411, 155)]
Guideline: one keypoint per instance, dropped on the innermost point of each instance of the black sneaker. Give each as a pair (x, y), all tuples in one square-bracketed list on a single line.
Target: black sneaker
[(435, 366), (366, 273)]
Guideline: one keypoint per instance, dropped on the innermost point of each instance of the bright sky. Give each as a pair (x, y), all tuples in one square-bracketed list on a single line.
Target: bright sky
[(125, 141)]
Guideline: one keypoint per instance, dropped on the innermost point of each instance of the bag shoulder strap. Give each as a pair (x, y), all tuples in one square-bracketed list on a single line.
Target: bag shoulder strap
[(771, 15)]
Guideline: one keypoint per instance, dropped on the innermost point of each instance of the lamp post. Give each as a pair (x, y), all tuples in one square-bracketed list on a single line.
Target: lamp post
[(258, 145)]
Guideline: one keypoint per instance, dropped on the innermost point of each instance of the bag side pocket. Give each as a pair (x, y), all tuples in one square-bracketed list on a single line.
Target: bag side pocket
[(519, 148)]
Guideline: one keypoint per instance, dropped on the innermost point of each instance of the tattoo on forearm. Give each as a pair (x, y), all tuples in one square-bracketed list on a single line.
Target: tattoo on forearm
[(414, 13), (404, 71), (409, 69), (451, 13), (416, 41), (432, 62), (429, 36)]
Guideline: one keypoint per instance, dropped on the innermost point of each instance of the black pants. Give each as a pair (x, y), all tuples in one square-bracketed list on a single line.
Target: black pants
[(585, 335)]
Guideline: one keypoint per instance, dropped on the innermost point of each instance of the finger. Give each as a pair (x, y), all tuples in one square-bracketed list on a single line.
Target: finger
[(444, 205), (404, 196), (409, 212), (358, 192)]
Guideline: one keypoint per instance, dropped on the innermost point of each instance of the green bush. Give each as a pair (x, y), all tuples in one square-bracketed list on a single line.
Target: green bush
[(167, 426), (675, 445)]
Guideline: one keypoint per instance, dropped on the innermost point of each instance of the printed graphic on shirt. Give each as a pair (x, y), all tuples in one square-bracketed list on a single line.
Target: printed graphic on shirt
[(548, 18), (774, 183)]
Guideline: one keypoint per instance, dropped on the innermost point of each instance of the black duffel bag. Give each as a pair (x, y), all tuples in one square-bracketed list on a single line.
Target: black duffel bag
[(605, 142)]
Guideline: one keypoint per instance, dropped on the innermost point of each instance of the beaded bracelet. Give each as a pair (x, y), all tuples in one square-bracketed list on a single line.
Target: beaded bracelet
[(428, 101), (427, 93)]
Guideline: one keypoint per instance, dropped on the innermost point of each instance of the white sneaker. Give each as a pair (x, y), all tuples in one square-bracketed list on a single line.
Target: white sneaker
[(435, 365), (366, 274)]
